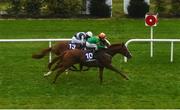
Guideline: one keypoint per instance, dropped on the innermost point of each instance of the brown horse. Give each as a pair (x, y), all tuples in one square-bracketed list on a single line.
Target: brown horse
[(103, 60), (57, 49)]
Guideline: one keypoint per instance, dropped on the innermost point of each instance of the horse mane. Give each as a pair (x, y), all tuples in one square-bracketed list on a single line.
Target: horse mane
[(112, 48), (115, 45)]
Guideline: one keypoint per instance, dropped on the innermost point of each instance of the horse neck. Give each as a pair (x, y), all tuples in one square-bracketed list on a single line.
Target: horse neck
[(114, 49)]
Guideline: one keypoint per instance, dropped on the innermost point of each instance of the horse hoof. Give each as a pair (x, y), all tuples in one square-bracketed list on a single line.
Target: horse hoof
[(47, 74), (53, 82), (127, 78)]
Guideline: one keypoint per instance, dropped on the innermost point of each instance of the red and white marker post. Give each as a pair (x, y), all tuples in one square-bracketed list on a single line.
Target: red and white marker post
[(151, 20)]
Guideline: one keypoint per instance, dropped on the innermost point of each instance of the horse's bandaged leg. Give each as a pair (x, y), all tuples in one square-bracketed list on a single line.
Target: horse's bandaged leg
[(47, 74), (67, 72)]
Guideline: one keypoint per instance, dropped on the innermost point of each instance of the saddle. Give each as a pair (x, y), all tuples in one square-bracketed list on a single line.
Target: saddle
[(72, 46), (90, 55)]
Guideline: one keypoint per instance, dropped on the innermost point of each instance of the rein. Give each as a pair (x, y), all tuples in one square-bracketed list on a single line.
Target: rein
[(113, 49)]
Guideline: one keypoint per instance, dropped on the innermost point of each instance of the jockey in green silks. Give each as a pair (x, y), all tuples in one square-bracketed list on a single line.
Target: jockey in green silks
[(96, 42)]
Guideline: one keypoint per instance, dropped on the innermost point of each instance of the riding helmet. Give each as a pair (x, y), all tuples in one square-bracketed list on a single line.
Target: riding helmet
[(102, 35), (89, 34)]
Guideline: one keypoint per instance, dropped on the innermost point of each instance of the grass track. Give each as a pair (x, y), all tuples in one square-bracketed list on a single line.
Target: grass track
[(155, 83)]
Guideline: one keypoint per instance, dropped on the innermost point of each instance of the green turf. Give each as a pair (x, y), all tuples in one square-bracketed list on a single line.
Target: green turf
[(154, 82)]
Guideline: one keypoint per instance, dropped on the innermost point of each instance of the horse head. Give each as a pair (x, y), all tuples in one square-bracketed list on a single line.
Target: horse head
[(120, 48), (125, 51)]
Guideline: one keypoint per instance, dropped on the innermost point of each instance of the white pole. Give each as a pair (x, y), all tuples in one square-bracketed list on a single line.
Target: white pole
[(111, 7), (172, 48), (109, 3), (126, 4), (151, 53), (50, 57)]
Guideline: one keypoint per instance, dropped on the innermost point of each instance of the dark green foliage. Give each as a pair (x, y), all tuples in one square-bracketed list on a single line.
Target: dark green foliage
[(99, 8), (160, 7), (175, 10), (169, 8), (64, 8), (1, 0), (138, 8), (15, 7), (32, 7)]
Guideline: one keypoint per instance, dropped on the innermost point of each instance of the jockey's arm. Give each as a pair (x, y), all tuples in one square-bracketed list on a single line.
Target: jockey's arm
[(91, 45), (92, 42), (74, 40), (100, 46), (83, 39)]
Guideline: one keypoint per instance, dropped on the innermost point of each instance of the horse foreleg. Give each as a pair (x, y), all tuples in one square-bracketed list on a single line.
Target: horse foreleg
[(101, 74), (117, 71), (73, 68), (81, 68)]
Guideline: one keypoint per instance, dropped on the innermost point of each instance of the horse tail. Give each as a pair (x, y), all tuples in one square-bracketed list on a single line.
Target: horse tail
[(42, 53)]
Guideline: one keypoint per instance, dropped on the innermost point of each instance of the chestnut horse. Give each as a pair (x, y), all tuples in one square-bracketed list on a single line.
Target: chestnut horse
[(57, 49), (103, 60)]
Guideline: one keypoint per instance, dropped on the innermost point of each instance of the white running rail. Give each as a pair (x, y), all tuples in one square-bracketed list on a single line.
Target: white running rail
[(35, 40), (154, 40)]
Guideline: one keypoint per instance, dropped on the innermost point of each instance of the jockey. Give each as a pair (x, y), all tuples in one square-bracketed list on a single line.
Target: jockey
[(81, 37), (96, 42)]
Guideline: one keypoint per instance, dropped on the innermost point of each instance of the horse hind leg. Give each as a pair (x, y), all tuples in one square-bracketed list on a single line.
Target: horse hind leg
[(63, 66), (59, 72), (58, 65), (117, 71), (53, 62)]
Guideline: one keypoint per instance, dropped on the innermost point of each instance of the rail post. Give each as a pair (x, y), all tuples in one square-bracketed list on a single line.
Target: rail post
[(155, 40), (172, 50), (36, 40), (151, 48), (50, 54)]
